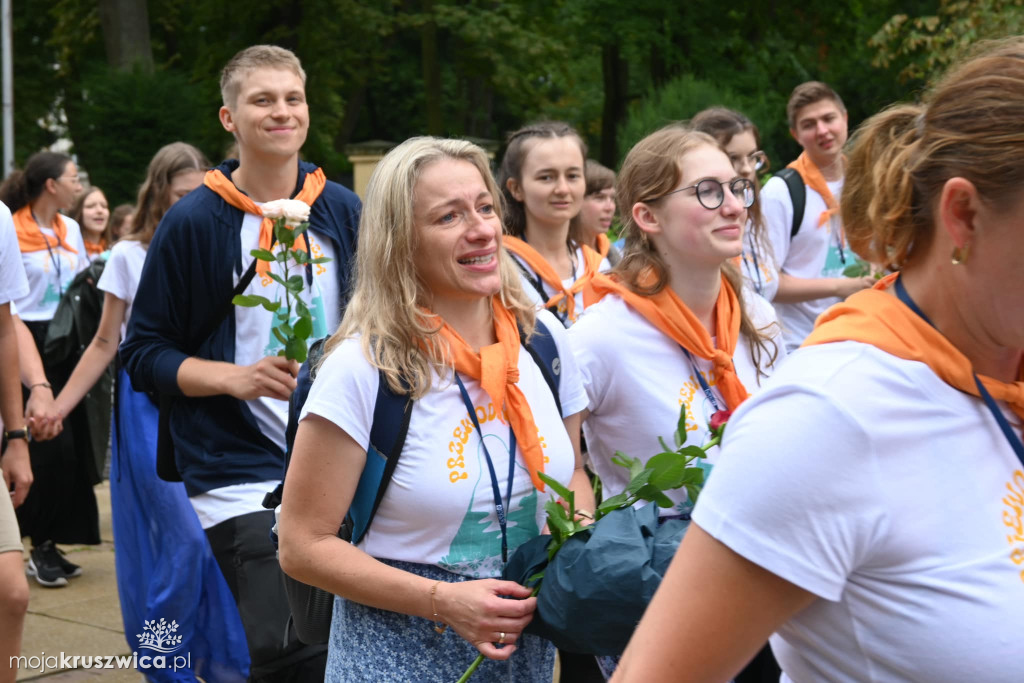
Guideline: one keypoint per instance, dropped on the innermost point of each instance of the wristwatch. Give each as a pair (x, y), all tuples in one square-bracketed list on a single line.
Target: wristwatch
[(16, 434)]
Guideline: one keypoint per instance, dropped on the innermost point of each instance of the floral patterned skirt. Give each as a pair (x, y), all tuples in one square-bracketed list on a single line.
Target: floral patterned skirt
[(369, 644)]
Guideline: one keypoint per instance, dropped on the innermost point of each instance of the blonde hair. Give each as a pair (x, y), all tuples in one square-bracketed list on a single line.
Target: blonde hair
[(385, 308), (250, 59), (652, 169), (969, 126), (155, 193)]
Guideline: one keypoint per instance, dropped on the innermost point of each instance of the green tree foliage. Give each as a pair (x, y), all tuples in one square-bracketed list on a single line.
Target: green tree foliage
[(923, 46), (389, 69)]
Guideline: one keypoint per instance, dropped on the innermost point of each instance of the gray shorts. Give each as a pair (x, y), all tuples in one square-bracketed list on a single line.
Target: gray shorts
[(10, 536)]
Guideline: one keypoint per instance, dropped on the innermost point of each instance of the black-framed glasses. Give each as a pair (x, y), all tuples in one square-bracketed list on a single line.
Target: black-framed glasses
[(711, 192)]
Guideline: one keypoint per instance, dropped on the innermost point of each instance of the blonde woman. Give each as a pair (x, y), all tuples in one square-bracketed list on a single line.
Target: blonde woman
[(437, 314)]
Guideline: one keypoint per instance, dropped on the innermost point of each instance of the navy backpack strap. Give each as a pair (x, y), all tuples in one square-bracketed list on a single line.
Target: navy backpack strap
[(797, 194), (391, 414), (544, 351)]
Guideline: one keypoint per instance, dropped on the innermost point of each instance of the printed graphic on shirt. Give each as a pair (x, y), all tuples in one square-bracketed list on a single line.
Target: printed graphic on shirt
[(475, 549), (756, 270), (312, 297), (1013, 520), (699, 410)]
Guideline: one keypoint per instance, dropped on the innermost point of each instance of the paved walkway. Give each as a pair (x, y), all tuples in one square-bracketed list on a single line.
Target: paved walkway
[(83, 618)]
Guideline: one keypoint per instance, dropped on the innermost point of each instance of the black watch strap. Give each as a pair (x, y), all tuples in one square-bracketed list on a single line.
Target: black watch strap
[(16, 434)]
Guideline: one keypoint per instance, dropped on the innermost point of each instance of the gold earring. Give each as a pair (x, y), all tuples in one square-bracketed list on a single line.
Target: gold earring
[(960, 255)]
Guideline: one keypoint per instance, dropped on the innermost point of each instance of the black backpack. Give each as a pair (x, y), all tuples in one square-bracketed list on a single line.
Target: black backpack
[(797, 195)]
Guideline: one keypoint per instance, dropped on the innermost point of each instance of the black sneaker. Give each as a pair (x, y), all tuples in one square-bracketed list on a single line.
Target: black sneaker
[(71, 569), (44, 565)]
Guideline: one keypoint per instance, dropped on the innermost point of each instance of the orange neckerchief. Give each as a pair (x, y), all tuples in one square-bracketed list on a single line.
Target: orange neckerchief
[(667, 312), (604, 245), (94, 249), (312, 186), (875, 317), (813, 178), (539, 265), (496, 367), (31, 238)]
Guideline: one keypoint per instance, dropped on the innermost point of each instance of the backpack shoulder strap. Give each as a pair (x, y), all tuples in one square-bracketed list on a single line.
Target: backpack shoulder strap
[(544, 351), (798, 196), (391, 414)]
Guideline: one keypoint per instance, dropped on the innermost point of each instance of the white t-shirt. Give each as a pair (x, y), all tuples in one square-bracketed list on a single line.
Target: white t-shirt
[(893, 497), (13, 283), (759, 270), (121, 274), (530, 286), (439, 507), (50, 272), (255, 340), (637, 378), (813, 253)]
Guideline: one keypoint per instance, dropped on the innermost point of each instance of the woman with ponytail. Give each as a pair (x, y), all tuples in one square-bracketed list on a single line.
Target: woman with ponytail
[(868, 508), (543, 183), (61, 506)]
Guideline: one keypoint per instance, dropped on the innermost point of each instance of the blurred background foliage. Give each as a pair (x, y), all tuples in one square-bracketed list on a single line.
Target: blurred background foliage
[(120, 78)]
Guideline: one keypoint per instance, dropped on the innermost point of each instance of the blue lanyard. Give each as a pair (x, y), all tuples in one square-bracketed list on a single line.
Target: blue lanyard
[(500, 504), (990, 403), (703, 382), (54, 260), (758, 284)]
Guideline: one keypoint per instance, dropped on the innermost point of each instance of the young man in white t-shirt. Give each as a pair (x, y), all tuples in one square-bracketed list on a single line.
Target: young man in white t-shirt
[(812, 261), (231, 388)]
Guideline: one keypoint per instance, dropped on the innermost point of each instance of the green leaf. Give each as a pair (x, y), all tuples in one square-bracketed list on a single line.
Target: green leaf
[(249, 300), (263, 254), (668, 469), (280, 336), (555, 486), (303, 327), (301, 257), (294, 284), (693, 476), (282, 256), (277, 278), (296, 349), (301, 228), (692, 452), (664, 446), (614, 503), (286, 329), (320, 259), (632, 464), (284, 235), (652, 493), (680, 435), (558, 518), (692, 492), (271, 306), (301, 309), (536, 578), (639, 481)]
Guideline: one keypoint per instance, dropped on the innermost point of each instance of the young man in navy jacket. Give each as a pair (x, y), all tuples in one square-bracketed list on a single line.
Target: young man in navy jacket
[(228, 418)]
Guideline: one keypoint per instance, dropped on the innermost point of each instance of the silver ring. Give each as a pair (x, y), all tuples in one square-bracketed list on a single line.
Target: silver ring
[(501, 638)]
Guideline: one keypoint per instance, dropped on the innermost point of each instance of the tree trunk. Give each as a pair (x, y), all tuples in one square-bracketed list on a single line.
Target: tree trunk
[(431, 72), (126, 33), (616, 83)]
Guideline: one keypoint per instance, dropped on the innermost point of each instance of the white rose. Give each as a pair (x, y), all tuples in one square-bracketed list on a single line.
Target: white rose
[(294, 211)]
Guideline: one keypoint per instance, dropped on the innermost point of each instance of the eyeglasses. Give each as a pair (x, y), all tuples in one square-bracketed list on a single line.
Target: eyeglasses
[(757, 159), (73, 178), (711, 192)]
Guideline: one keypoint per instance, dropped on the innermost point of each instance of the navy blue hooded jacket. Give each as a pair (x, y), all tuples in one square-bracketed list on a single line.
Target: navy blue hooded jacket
[(187, 278)]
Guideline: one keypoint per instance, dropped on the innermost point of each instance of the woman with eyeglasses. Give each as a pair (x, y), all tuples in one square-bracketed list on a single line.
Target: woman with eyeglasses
[(61, 506), (673, 328), (741, 140), (869, 508), (542, 179)]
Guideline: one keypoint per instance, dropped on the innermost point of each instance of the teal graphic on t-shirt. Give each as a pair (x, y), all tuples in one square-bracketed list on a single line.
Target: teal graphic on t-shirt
[(318, 312), (476, 548), (51, 295), (833, 262)]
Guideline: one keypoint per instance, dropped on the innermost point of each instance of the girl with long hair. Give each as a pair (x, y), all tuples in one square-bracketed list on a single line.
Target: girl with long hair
[(437, 315), (867, 509), (543, 183), (93, 214), (61, 506), (165, 568)]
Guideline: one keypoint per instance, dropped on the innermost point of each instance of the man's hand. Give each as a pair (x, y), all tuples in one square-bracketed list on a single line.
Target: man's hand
[(273, 376), (851, 285), (41, 415), (17, 470)]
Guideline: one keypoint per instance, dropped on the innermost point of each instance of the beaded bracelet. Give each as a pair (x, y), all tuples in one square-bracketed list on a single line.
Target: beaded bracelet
[(439, 626)]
